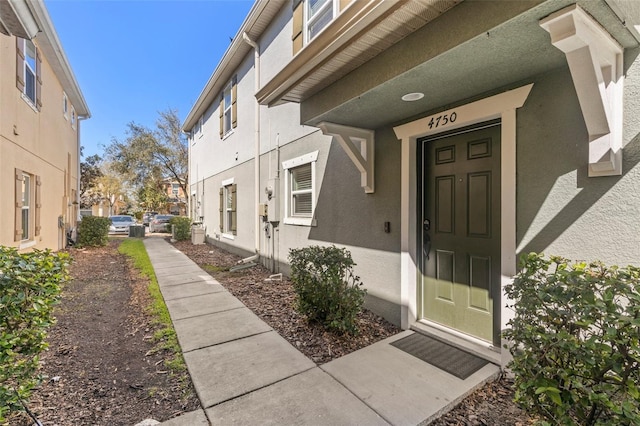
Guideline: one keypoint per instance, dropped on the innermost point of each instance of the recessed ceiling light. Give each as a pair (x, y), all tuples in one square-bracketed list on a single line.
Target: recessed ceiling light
[(410, 97)]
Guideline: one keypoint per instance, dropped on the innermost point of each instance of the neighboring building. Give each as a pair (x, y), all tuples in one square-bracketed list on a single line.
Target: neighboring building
[(41, 107), (177, 201), (436, 140)]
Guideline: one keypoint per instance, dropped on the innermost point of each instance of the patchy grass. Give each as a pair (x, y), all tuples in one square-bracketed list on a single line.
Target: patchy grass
[(165, 337)]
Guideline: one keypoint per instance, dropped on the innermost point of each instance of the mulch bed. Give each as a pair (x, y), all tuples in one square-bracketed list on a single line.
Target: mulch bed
[(102, 369)]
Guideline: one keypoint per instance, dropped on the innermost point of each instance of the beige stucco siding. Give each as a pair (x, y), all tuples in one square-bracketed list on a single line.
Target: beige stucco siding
[(42, 143)]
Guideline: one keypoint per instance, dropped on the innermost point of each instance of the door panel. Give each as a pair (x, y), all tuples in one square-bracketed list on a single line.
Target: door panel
[(461, 236)]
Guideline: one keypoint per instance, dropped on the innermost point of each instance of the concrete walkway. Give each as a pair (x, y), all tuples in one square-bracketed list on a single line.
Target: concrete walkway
[(246, 373)]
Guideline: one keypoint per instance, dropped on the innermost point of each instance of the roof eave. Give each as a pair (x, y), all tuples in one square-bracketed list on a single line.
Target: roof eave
[(230, 60)]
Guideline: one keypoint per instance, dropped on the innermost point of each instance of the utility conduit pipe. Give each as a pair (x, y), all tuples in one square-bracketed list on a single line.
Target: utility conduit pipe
[(256, 203)]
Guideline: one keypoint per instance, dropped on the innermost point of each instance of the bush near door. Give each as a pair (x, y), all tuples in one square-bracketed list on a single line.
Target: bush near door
[(327, 289), (575, 341)]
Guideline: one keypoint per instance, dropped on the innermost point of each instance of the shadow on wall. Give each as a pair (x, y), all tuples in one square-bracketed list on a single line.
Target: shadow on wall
[(345, 214), (548, 154)]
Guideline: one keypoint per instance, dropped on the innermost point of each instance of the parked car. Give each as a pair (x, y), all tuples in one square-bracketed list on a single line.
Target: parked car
[(148, 217), (160, 223), (120, 224)]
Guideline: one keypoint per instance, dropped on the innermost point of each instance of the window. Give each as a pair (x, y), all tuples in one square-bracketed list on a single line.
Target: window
[(175, 188), (318, 13), (300, 185), (65, 105), (310, 17), (73, 117), (228, 108), (228, 209), (28, 67), (27, 196)]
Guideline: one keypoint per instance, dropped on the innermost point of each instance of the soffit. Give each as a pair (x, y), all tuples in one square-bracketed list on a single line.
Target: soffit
[(360, 33), (507, 55)]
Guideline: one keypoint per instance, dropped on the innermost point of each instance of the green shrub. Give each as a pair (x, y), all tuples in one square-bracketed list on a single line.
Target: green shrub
[(93, 231), (183, 227), (576, 354), (30, 285), (327, 289)]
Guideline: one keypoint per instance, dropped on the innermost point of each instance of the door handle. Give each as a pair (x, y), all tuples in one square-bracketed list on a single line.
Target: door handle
[(426, 245)]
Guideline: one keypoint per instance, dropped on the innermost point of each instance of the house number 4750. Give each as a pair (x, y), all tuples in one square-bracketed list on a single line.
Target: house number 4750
[(442, 120)]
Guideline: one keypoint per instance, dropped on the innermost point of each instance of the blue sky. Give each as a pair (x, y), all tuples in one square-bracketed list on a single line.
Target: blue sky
[(135, 58)]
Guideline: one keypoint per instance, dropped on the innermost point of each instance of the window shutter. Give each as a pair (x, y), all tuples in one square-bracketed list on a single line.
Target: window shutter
[(234, 104), (221, 209), (234, 213), (20, 64), (38, 80), (298, 24), (221, 115), (38, 201), (18, 197)]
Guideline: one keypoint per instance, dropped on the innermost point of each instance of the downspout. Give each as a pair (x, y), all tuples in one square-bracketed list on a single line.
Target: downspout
[(256, 62)]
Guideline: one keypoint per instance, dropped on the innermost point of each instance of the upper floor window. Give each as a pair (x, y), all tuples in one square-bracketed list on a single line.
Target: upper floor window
[(73, 117), (175, 189), (310, 17), (65, 105), (229, 108), (28, 69), (318, 14)]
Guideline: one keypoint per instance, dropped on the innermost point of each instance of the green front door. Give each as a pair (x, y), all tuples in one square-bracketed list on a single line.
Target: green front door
[(461, 231)]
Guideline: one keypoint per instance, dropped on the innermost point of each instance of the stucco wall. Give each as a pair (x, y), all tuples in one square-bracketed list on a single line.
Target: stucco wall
[(561, 211), (40, 143)]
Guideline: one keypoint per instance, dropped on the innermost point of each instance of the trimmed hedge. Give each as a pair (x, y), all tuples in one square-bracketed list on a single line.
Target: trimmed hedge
[(93, 231), (183, 227), (575, 341), (30, 285)]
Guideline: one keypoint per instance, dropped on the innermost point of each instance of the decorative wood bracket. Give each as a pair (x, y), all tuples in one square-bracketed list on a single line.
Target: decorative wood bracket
[(359, 144), (596, 63)]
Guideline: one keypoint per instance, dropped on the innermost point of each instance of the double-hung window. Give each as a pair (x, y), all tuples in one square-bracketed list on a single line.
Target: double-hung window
[(318, 14), (310, 17), (300, 189), (28, 69), (28, 205), (228, 209), (175, 189), (229, 108)]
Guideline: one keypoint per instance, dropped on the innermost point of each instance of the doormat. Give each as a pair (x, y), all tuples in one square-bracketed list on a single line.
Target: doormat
[(442, 355)]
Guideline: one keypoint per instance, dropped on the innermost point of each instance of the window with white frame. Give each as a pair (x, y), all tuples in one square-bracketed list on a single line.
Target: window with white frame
[(228, 208), (228, 108), (30, 70), (175, 189), (318, 14), (26, 205), (300, 189)]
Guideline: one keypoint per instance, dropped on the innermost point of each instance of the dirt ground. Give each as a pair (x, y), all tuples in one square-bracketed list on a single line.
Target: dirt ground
[(102, 369)]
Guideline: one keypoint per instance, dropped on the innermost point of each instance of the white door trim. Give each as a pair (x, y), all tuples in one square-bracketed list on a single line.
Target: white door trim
[(502, 106)]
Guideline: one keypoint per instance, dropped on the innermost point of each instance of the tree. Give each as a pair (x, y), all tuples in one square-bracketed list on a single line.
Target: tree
[(89, 173), (109, 188), (146, 155)]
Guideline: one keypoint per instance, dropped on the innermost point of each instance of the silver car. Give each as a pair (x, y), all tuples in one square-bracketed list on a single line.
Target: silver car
[(120, 224)]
